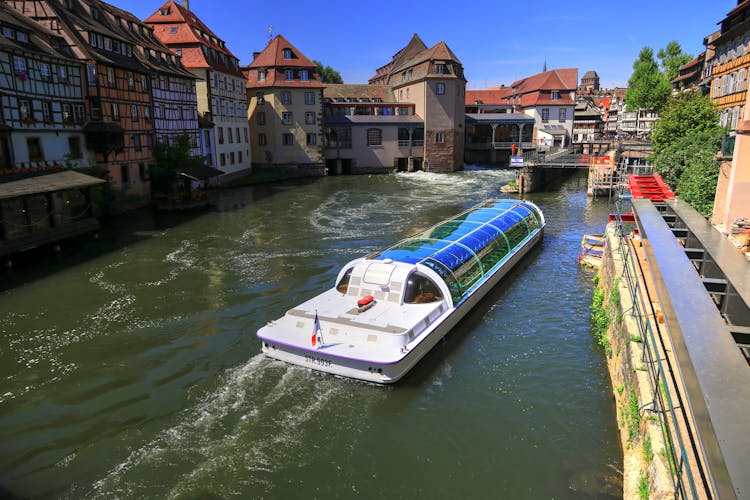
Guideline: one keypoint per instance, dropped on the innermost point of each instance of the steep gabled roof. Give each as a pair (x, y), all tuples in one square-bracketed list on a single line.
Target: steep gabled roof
[(414, 47), (357, 91), (489, 96), (180, 28), (40, 38), (273, 56), (556, 79), (439, 51)]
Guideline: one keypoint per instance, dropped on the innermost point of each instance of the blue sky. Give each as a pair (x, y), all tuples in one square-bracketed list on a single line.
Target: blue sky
[(497, 41)]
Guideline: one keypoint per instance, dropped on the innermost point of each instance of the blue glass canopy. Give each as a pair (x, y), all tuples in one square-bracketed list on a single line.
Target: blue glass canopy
[(464, 248)]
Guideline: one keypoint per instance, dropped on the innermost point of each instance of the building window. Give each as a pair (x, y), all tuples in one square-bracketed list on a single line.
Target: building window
[(67, 113), (246, 134), (19, 65), (287, 139), (286, 97), (147, 113), (563, 114), (312, 139), (286, 117), (222, 159), (47, 111), (230, 137), (260, 98), (221, 135), (62, 73), (34, 145), (440, 88), (439, 137), (440, 69), (289, 74), (131, 81), (374, 137), (137, 142), (142, 172), (24, 107), (555, 95), (91, 73), (74, 147), (261, 139), (309, 117), (303, 75), (134, 112), (80, 114), (111, 81), (115, 111), (545, 115), (44, 71), (309, 97), (260, 117), (261, 75), (287, 53), (124, 174), (231, 158)]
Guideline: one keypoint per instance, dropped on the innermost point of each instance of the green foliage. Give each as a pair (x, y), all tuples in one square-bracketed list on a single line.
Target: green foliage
[(169, 158), (600, 321), (647, 87), (672, 57), (685, 139), (633, 416), (648, 452), (650, 84), (327, 74), (643, 487)]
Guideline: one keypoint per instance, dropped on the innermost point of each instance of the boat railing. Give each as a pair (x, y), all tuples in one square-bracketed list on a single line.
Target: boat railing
[(664, 406)]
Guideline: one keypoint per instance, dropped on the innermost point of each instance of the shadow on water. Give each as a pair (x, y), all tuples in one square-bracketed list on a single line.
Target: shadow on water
[(120, 231)]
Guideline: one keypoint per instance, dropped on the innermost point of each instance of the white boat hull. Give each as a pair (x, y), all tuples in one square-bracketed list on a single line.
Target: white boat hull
[(390, 372)]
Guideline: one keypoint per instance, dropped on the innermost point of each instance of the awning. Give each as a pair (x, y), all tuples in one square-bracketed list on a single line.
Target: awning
[(59, 181), (199, 172), (555, 131)]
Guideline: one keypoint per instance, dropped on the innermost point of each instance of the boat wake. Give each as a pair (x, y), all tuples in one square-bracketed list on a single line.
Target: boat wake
[(245, 431)]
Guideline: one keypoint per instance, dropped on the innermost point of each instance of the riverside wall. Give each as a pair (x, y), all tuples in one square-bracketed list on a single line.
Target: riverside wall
[(646, 468)]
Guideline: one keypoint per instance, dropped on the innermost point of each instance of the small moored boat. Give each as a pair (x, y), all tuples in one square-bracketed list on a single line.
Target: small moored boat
[(390, 308)]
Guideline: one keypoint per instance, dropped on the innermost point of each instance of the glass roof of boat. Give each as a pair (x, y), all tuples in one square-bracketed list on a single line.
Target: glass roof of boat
[(462, 235), (464, 248)]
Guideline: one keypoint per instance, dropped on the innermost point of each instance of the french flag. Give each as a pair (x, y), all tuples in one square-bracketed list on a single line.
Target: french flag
[(317, 335)]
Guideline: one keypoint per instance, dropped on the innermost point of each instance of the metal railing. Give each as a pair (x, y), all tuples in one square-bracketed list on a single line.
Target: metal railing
[(660, 376)]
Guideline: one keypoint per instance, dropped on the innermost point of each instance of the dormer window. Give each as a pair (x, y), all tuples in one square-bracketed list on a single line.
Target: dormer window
[(164, 12), (440, 69), (287, 53), (303, 75), (21, 36), (261, 75), (555, 95), (173, 30), (289, 74)]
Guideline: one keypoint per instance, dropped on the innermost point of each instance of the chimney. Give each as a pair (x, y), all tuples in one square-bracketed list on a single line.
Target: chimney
[(255, 54), (186, 4)]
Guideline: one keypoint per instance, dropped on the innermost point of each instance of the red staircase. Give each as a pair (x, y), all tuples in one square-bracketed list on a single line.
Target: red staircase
[(649, 186)]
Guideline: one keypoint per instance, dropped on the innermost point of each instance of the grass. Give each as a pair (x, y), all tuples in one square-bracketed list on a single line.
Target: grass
[(633, 416), (643, 487), (648, 452), (600, 321)]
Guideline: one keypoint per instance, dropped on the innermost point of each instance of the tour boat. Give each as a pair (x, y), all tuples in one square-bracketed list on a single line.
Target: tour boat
[(388, 309)]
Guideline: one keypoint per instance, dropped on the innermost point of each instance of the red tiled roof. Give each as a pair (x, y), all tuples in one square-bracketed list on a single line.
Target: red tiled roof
[(685, 76), (540, 99), (489, 96), (556, 79), (180, 28), (694, 62), (273, 56)]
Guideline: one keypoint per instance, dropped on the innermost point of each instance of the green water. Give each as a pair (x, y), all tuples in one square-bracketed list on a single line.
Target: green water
[(135, 372)]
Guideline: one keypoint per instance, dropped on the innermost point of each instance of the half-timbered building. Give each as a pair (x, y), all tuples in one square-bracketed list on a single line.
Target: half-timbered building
[(220, 87), (173, 93), (116, 83), (41, 95)]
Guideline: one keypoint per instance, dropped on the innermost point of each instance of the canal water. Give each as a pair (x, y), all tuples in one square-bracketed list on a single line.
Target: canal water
[(135, 372)]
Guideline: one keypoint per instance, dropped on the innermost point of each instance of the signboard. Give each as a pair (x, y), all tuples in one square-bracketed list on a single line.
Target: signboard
[(516, 161)]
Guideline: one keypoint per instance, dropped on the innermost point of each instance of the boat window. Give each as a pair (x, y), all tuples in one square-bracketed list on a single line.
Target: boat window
[(420, 290), (343, 284)]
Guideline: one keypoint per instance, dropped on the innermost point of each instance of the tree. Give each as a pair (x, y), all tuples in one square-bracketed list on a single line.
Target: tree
[(647, 87), (672, 57), (686, 138), (327, 74), (169, 158)]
